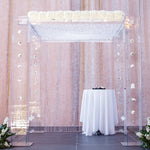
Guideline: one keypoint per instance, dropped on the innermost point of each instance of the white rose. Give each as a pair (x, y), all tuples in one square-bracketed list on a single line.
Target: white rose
[(4, 131), (6, 144), (148, 137), (148, 120), (147, 129), (139, 134), (5, 120)]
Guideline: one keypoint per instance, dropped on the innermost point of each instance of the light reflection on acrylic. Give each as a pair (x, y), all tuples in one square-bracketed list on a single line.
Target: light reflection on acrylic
[(31, 131), (19, 124), (31, 118), (34, 110)]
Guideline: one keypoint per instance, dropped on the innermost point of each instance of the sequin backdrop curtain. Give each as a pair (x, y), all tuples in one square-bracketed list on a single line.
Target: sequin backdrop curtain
[(4, 26), (67, 69), (86, 53)]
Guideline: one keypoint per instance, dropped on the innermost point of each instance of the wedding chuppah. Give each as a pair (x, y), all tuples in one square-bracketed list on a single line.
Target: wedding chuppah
[(58, 56)]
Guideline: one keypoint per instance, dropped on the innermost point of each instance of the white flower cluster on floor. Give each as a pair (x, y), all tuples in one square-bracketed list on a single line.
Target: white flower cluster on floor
[(144, 135), (4, 134)]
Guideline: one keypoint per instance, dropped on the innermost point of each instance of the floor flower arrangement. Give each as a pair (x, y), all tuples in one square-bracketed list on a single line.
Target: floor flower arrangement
[(144, 135), (4, 134)]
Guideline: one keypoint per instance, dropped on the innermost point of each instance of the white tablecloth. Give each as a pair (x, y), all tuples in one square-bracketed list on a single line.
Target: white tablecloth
[(98, 112)]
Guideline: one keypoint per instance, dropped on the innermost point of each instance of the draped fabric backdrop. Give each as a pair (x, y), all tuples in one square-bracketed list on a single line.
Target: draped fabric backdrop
[(58, 72)]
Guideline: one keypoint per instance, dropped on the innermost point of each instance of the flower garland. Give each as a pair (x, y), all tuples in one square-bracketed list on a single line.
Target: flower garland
[(4, 134), (144, 135), (75, 16)]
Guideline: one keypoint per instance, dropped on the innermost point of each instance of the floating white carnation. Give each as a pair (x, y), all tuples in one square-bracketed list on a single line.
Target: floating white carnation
[(139, 134)]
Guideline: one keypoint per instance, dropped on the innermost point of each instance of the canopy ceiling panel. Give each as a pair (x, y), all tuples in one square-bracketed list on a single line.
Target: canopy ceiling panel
[(77, 32), (77, 26)]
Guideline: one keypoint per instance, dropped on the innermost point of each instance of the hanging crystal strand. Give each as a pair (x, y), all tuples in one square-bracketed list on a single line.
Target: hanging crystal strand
[(93, 51), (141, 44), (53, 5), (86, 4), (43, 87), (54, 119), (107, 49), (76, 5), (75, 54), (105, 4), (92, 63), (17, 78), (34, 112), (92, 4), (124, 70), (109, 73), (75, 65), (144, 13), (134, 65), (125, 76), (86, 51)]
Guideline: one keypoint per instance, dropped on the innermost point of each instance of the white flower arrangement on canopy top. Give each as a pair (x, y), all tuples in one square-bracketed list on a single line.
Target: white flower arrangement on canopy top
[(4, 134), (144, 135)]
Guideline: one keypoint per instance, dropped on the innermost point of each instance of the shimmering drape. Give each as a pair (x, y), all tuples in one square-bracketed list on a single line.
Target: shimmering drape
[(66, 69), (4, 15)]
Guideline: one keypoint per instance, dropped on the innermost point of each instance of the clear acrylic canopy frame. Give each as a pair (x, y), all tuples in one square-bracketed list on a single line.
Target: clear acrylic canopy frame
[(82, 32)]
